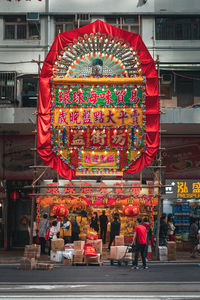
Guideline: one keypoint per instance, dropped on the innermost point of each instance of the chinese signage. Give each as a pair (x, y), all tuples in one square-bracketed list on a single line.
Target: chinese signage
[(185, 189), (93, 193), (116, 117), (95, 96), (98, 111), (100, 159)]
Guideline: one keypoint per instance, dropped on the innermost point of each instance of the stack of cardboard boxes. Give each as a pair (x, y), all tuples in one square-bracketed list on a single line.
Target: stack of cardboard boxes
[(78, 256), (119, 251), (57, 248), (30, 262), (31, 254), (171, 246)]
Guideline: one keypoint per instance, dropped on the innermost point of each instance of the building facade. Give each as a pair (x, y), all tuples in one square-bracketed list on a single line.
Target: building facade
[(171, 32)]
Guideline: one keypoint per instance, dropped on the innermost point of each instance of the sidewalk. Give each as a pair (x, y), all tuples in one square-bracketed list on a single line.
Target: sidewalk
[(14, 256)]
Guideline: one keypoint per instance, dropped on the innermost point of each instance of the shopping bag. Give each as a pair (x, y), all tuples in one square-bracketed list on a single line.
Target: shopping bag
[(89, 250), (47, 234)]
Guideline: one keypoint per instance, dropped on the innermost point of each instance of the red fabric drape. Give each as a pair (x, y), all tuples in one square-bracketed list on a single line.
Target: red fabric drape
[(152, 101)]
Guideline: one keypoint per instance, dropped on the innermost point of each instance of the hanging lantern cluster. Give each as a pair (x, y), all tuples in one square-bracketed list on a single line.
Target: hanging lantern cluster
[(131, 211), (60, 211)]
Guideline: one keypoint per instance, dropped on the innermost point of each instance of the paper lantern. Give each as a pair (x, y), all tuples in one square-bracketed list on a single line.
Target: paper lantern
[(60, 210), (14, 196), (131, 211)]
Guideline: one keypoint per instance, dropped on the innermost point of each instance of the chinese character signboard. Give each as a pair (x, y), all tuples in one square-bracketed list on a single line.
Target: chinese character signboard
[(93, 193), (183, 189), (98, 103)]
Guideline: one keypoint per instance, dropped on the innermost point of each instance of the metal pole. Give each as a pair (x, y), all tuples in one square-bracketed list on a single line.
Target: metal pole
[(157, 179), (34, 170)]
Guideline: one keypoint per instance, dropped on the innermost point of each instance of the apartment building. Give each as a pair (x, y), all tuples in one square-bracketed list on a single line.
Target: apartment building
[(171, 32)]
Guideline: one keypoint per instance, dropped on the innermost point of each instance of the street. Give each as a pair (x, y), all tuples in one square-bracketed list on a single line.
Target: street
[(73, 274), (160, 281)]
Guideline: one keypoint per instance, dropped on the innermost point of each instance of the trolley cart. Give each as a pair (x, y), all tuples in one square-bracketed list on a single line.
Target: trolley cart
[(124, 259)]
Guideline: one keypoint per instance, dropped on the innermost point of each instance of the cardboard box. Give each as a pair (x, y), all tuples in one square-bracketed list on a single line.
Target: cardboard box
[(171, 246), (78, 258), (78, 251), (172, 256), (67, 262), (32, 251), (117, 252), (44, 266), (92, 259), (57, 245), (56, 256), (79, 245), (28, 263), (97, 244), (119, 240)]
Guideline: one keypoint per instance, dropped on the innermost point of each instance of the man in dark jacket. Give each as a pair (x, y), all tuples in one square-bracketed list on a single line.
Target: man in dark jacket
[(114, 230), (163, 232), (103, 225)]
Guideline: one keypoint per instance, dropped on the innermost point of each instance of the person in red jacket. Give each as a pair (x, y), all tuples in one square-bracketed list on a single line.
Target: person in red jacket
[(140, 240)]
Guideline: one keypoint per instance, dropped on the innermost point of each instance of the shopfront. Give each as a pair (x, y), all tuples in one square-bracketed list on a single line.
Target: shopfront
[(183, 203)]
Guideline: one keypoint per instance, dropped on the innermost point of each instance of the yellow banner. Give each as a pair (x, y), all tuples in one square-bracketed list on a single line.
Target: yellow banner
[(91, 159), (73, 117)]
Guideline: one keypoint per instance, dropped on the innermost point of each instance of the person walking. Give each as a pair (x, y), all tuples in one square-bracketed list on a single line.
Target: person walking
[(140, 240), (103, 226), (44, 225), (193, 237), (114, 230)]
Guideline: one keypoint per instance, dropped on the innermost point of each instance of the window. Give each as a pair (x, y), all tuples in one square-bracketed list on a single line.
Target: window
[(64, 23), (7, 87), (177, 28), (17, 28), (130, 23), (29, 91)]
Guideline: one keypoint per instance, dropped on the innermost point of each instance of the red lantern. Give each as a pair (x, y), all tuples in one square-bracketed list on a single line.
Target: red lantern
[(14, 195), (55, 209), (60, 210), (131, 211)]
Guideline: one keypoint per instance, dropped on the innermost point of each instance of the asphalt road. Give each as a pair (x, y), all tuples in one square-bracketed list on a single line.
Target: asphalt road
[(159, 273)]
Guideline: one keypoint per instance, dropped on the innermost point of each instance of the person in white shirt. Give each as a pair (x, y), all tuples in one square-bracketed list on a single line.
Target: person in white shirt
[(52, 234)]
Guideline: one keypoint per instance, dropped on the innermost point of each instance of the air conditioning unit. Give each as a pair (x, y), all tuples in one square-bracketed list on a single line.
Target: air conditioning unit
[(166, 78), (32, 17)]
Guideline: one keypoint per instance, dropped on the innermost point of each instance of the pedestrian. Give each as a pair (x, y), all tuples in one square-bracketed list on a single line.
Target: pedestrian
[(170, 229), (140, 240), (103, 225), (193, 237), (94, 222), (75, 229), (114, 230), (163, 232), (52, 234), (66, 231), (55, 218), (44, 225)]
